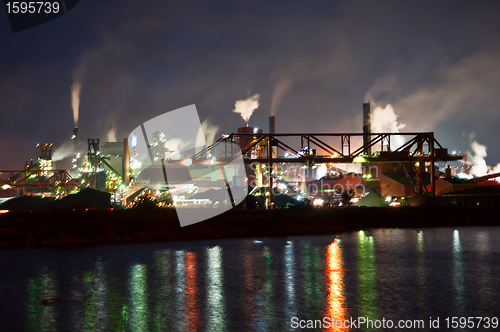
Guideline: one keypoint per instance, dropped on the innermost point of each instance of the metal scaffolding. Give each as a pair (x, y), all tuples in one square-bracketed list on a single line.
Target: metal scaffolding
[(419, 149)]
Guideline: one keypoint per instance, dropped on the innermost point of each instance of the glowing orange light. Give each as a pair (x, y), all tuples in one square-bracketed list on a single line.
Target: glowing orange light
[(192, 312), (335, 282)]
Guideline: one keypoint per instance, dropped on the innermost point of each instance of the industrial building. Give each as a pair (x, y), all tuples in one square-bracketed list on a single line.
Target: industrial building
[(299, 166)]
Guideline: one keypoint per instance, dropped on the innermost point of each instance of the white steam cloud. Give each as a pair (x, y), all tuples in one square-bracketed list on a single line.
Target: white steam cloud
[(111, 136), (385, 120), (75, 100), (76, 88), (476, 158), (206, 135), (176, 146), (67, 149), (247, 106)]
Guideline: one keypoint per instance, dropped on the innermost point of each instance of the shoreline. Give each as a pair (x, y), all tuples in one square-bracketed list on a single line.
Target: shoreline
[(66, 229)]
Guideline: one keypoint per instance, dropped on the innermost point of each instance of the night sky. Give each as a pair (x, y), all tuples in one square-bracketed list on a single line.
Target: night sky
[(436, 62)]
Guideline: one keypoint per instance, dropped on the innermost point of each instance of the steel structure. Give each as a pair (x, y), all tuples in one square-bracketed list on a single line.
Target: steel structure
[(40, 179), (420, 148)]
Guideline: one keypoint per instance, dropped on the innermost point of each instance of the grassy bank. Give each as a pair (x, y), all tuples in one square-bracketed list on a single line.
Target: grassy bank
[(83, 228)]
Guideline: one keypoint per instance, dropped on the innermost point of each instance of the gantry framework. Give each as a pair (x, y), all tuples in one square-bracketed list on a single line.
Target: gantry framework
[(49, 180), (415, 152)]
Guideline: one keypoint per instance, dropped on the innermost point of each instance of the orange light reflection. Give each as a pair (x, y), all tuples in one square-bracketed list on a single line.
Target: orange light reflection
[(335, 282), (192, 310)]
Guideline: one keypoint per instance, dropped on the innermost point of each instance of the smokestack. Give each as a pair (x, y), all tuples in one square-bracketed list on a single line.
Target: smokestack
[(126, 157), (272, 125), (447, 172), (367, 127), (75, 138)]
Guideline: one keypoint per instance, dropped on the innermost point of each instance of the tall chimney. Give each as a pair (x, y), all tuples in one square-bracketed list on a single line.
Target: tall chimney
[(271, 153), (272, 130), (75, 138), (367, 127), (272, 125)]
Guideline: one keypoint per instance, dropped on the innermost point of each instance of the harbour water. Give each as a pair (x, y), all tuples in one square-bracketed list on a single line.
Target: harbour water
[(261, 284)]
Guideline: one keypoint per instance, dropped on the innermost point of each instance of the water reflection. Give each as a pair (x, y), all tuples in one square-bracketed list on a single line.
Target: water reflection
[(421, 280), (242, 285), (179, 290), (264, 306), (216, 310), (335, 284), (289, 281), (458, 274), (138, 298), (484, 289), (44, 287), (367, 277), (192, 307), (162, 297), (312, 282)]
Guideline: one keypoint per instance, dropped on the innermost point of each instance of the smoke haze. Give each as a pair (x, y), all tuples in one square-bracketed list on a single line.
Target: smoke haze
[(67, 149), (111, 136), (279, 89)]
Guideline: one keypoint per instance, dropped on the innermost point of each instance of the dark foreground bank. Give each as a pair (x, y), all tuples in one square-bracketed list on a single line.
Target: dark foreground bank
[(83, 228)]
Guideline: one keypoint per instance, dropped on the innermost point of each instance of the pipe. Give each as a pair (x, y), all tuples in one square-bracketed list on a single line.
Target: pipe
[(367, 128), (272, 125), (75, 138), (126, 159), (271, 153)]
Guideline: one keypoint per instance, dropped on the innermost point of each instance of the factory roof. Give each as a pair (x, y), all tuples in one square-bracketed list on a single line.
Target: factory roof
[(174, 175), (455, 180), (403, 179), (481, 190)]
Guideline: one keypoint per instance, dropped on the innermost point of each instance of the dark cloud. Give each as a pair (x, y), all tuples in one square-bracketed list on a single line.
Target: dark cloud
[(315, 62)]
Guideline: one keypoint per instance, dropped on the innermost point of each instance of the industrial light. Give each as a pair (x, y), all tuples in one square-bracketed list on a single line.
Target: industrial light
[(318, 202), (187, 162), (359, 159)]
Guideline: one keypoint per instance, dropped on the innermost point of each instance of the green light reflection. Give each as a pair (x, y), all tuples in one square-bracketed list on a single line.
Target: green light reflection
[(216, 308), (138, 311), (44, 287), (312, 270), (162, 299), (367, 277)]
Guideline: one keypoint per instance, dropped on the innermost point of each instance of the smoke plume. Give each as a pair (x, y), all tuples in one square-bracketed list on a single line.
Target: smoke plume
[(479, 166), (76, 87), (476, 157), (176, 146), (247, 107), (279, 89), (112, 135), (75, 99), (206, 134), (67, 149), (385, 120)]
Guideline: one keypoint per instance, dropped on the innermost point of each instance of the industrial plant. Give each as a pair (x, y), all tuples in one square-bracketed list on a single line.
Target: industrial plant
[(280, 170)]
